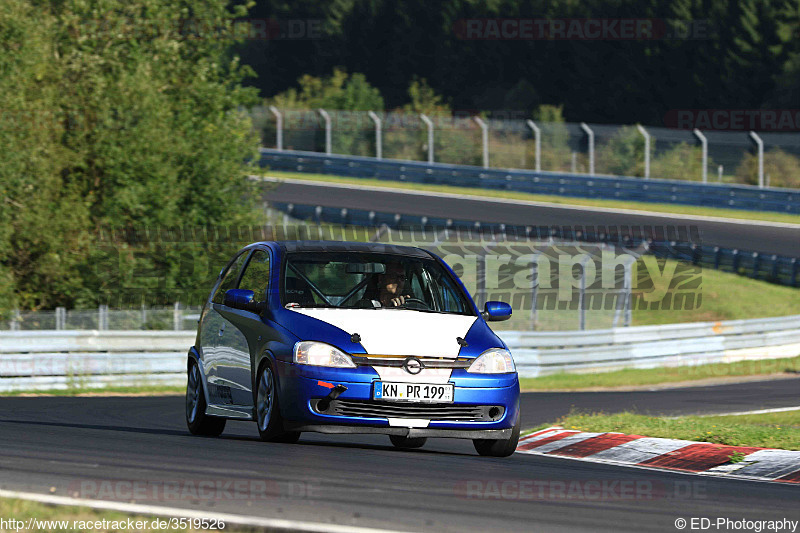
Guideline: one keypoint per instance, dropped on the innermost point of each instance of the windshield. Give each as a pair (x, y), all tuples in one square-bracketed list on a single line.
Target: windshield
[(358, 280)]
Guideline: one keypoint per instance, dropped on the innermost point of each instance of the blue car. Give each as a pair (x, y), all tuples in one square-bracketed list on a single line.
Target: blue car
[(339, 337)]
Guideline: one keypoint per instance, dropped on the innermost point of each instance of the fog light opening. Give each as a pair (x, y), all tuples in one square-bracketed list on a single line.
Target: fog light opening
[(494, 412)]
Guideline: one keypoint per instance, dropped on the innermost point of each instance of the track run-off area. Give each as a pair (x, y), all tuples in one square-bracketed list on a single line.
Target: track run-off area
[(137, 449)]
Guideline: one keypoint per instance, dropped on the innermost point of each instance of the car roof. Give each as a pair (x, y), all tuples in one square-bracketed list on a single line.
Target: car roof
[(344, 246)]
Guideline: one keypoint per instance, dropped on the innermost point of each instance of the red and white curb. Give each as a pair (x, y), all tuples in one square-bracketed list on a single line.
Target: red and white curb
[(762, 464)]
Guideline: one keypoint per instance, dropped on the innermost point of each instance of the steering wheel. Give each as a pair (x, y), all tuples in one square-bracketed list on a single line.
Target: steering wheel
[(420, 304)]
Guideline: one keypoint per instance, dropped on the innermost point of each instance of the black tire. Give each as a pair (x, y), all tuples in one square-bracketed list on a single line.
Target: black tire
[(498, 447), (198, 422), (267, 411), (407, 442)]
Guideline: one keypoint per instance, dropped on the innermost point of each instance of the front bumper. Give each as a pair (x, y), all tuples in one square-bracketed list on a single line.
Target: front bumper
[(401, 431), (301, 388)]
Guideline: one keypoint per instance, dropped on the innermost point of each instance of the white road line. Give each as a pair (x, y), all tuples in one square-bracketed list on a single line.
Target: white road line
[(671, 216), (756, 412), (228, 519)]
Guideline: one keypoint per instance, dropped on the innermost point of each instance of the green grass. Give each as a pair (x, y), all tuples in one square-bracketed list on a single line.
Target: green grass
[(589, 202), (728, 296), (633, 377), (75, 391), (23, 510), (768, 430)]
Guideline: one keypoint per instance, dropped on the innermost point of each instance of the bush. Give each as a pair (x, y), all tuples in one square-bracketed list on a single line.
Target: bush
[(782, 169)]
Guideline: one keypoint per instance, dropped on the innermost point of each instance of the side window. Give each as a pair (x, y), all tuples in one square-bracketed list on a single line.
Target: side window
[(229, 279), (256, 275)]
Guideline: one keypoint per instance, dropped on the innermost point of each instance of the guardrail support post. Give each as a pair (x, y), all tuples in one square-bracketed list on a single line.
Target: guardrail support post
[(537, 136), (760, 144), (590, 135), (278, 126), (646, 150), (176, 317), (327, 119), (582, 296), (102, 317), (704, 144), (484, 140), (429, 123), (378, 140)]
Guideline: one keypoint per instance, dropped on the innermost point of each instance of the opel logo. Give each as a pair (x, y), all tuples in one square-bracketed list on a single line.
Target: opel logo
[(413, 365)]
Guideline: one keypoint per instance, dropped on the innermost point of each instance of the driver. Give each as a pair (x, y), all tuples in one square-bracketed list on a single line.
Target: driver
[(388, 291)]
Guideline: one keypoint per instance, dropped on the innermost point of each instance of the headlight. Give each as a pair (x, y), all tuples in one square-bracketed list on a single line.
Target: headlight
[(321, 354), (493, 361)]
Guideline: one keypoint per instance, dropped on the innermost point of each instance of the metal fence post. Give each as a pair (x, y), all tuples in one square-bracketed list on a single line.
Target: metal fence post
[(582, 295), (480, 278), (537, 136), (378, 140), (61, 318), (278, 126), (590, 134), (428, 122), (534, 290), (102, 317), (760, 144), (176, 317), (484, 140), (646, 150), (704, 144), (327, 119), (719, 173), (628, 289), (16, 318)]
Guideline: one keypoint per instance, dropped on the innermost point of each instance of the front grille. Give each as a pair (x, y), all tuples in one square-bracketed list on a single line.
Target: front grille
[(446, 412)]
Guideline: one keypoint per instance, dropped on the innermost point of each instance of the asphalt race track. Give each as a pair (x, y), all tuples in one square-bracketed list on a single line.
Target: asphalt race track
[(134, 448), (765, 238)]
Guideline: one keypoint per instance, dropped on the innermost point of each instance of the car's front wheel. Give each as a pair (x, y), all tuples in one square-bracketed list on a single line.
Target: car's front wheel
[(268, 417), (198, 422), (498, 447)]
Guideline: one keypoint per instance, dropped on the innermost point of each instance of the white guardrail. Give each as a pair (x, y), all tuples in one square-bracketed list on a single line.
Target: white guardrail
[(42, 360)]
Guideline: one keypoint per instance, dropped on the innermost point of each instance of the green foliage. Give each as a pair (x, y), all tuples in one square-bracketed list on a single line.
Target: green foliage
[(682, 162), (782, 169), (623, 154), (338, 91), (137, 123)]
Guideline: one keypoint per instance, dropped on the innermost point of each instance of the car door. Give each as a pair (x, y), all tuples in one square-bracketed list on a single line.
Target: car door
[(244, 331), (213, 330)]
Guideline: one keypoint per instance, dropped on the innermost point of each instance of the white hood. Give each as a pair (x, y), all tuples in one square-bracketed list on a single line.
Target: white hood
[(399, 331)]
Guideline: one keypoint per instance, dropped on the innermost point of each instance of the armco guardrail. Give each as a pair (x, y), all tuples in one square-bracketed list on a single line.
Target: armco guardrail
[(542, 353), (770, 267), (561, 184), (43, 360), (61, 359)]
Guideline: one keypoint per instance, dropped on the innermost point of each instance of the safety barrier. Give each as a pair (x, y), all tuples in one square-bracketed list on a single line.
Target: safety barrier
[(543, 353), (551, 183), (44, 360)]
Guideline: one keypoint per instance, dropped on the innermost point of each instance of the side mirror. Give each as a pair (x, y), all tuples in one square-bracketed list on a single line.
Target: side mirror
[(497, 311), (242, 299)]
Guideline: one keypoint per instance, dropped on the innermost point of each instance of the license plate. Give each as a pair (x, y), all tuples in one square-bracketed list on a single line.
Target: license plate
[(413, 392)]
